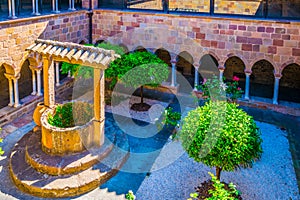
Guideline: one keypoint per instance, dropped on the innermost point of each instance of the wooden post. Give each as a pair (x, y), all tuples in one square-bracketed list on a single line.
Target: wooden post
[(48, 73)]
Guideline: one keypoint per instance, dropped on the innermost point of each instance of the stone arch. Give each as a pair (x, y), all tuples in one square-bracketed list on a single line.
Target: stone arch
[(83, 41), (4, 94), (139, 48), (289, 84), (9, 69), (287, 63), (259, 59), (262, 79), (164, 55), (99, 41), (185, 66), (25, 80), (235, 66), (208, 66), (213, 55), (124, 47)]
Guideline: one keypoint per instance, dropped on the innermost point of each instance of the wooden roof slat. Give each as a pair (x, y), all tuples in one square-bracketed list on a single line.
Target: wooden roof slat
[(74, 53), (45, 51), (64, 52), (58, 51), (84, 56), (77, 55), (71, 53)]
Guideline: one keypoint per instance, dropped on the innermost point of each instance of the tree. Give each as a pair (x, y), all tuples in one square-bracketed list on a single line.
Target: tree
[(137, 68), (221, 135)]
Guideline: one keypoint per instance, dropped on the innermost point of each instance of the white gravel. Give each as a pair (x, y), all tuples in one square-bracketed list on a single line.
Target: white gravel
[(271, 178)]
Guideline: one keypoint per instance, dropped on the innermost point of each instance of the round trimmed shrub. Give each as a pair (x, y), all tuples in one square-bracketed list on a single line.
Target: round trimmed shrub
[(221, 135)]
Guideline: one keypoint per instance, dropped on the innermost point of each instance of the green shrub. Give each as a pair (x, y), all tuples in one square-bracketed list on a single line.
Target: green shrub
[(71, 114), (108, 46), (221, 135)]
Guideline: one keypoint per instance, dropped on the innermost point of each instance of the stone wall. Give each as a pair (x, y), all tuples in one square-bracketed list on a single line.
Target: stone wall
[(17, 35), (250, 40)]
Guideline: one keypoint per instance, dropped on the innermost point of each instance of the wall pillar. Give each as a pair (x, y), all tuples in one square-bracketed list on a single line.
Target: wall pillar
[(276, 89), (173, 81), (49, 90), (196, 83), (247, 85), (16, 91), (99, 106), (57, 73), (39, 82), (33, 81), (10, 89)]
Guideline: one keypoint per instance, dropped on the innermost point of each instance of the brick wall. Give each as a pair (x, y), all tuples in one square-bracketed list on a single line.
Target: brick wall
[(17, 35), (250, 40)]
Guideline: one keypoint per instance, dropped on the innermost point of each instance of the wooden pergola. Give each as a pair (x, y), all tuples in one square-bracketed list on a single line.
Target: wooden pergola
[(89, 56)]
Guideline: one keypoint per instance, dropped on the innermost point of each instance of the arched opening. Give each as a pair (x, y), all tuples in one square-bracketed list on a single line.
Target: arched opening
[(289, 85), (140, 48), (234, 66), (185, 65), (208, 67), (99, 42), (262, 79), (4, 94), (164, 55), (124, 47), (25, 81)]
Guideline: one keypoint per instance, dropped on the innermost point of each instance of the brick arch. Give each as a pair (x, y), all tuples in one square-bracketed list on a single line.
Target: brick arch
[(287, 63), (253, 62), (208, 66), (165, 56), (9, 69), (83, 41), (185, 62), (233, 54), (231, 71), (213, 54)]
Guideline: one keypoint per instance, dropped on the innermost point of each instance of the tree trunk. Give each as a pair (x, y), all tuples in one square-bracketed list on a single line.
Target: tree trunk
[(218, 172), (141, 93)]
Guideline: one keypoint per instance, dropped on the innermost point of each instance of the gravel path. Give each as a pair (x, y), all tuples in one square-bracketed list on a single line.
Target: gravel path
[(271, 178)]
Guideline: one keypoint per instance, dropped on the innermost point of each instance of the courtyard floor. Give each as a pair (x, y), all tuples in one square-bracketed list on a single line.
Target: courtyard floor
[(168, 173)]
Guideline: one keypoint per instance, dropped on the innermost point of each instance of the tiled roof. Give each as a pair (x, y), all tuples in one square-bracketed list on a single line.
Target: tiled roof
[(75, 53)]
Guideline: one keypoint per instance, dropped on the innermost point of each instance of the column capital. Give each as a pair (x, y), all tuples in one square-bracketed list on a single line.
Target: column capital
[(173, 61), (221, 68), (196, 65), (12, 76), (248, 72), (277, 76)]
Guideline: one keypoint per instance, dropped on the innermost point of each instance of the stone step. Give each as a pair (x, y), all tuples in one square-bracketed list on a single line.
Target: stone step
[(59, 165), (40, 184)]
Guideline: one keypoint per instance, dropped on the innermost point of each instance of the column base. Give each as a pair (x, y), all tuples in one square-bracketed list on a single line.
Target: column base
[(57, 84), (11, 104), (17, 105), (275, 102), (56, 11), (12, 17), (33, 93), (37, 14), (39, 94), (71, 9)]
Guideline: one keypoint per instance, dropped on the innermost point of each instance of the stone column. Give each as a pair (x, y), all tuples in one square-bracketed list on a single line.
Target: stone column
[(49, 90), (57, 73), (276, 89), (196, 65), (35, 7), (247, 85), (39, 82), (173, 81), (10, 89), (221, 72), (99, 106), (16, 91), (11, 9), (55, 6), (71, 5), (33, 82)]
